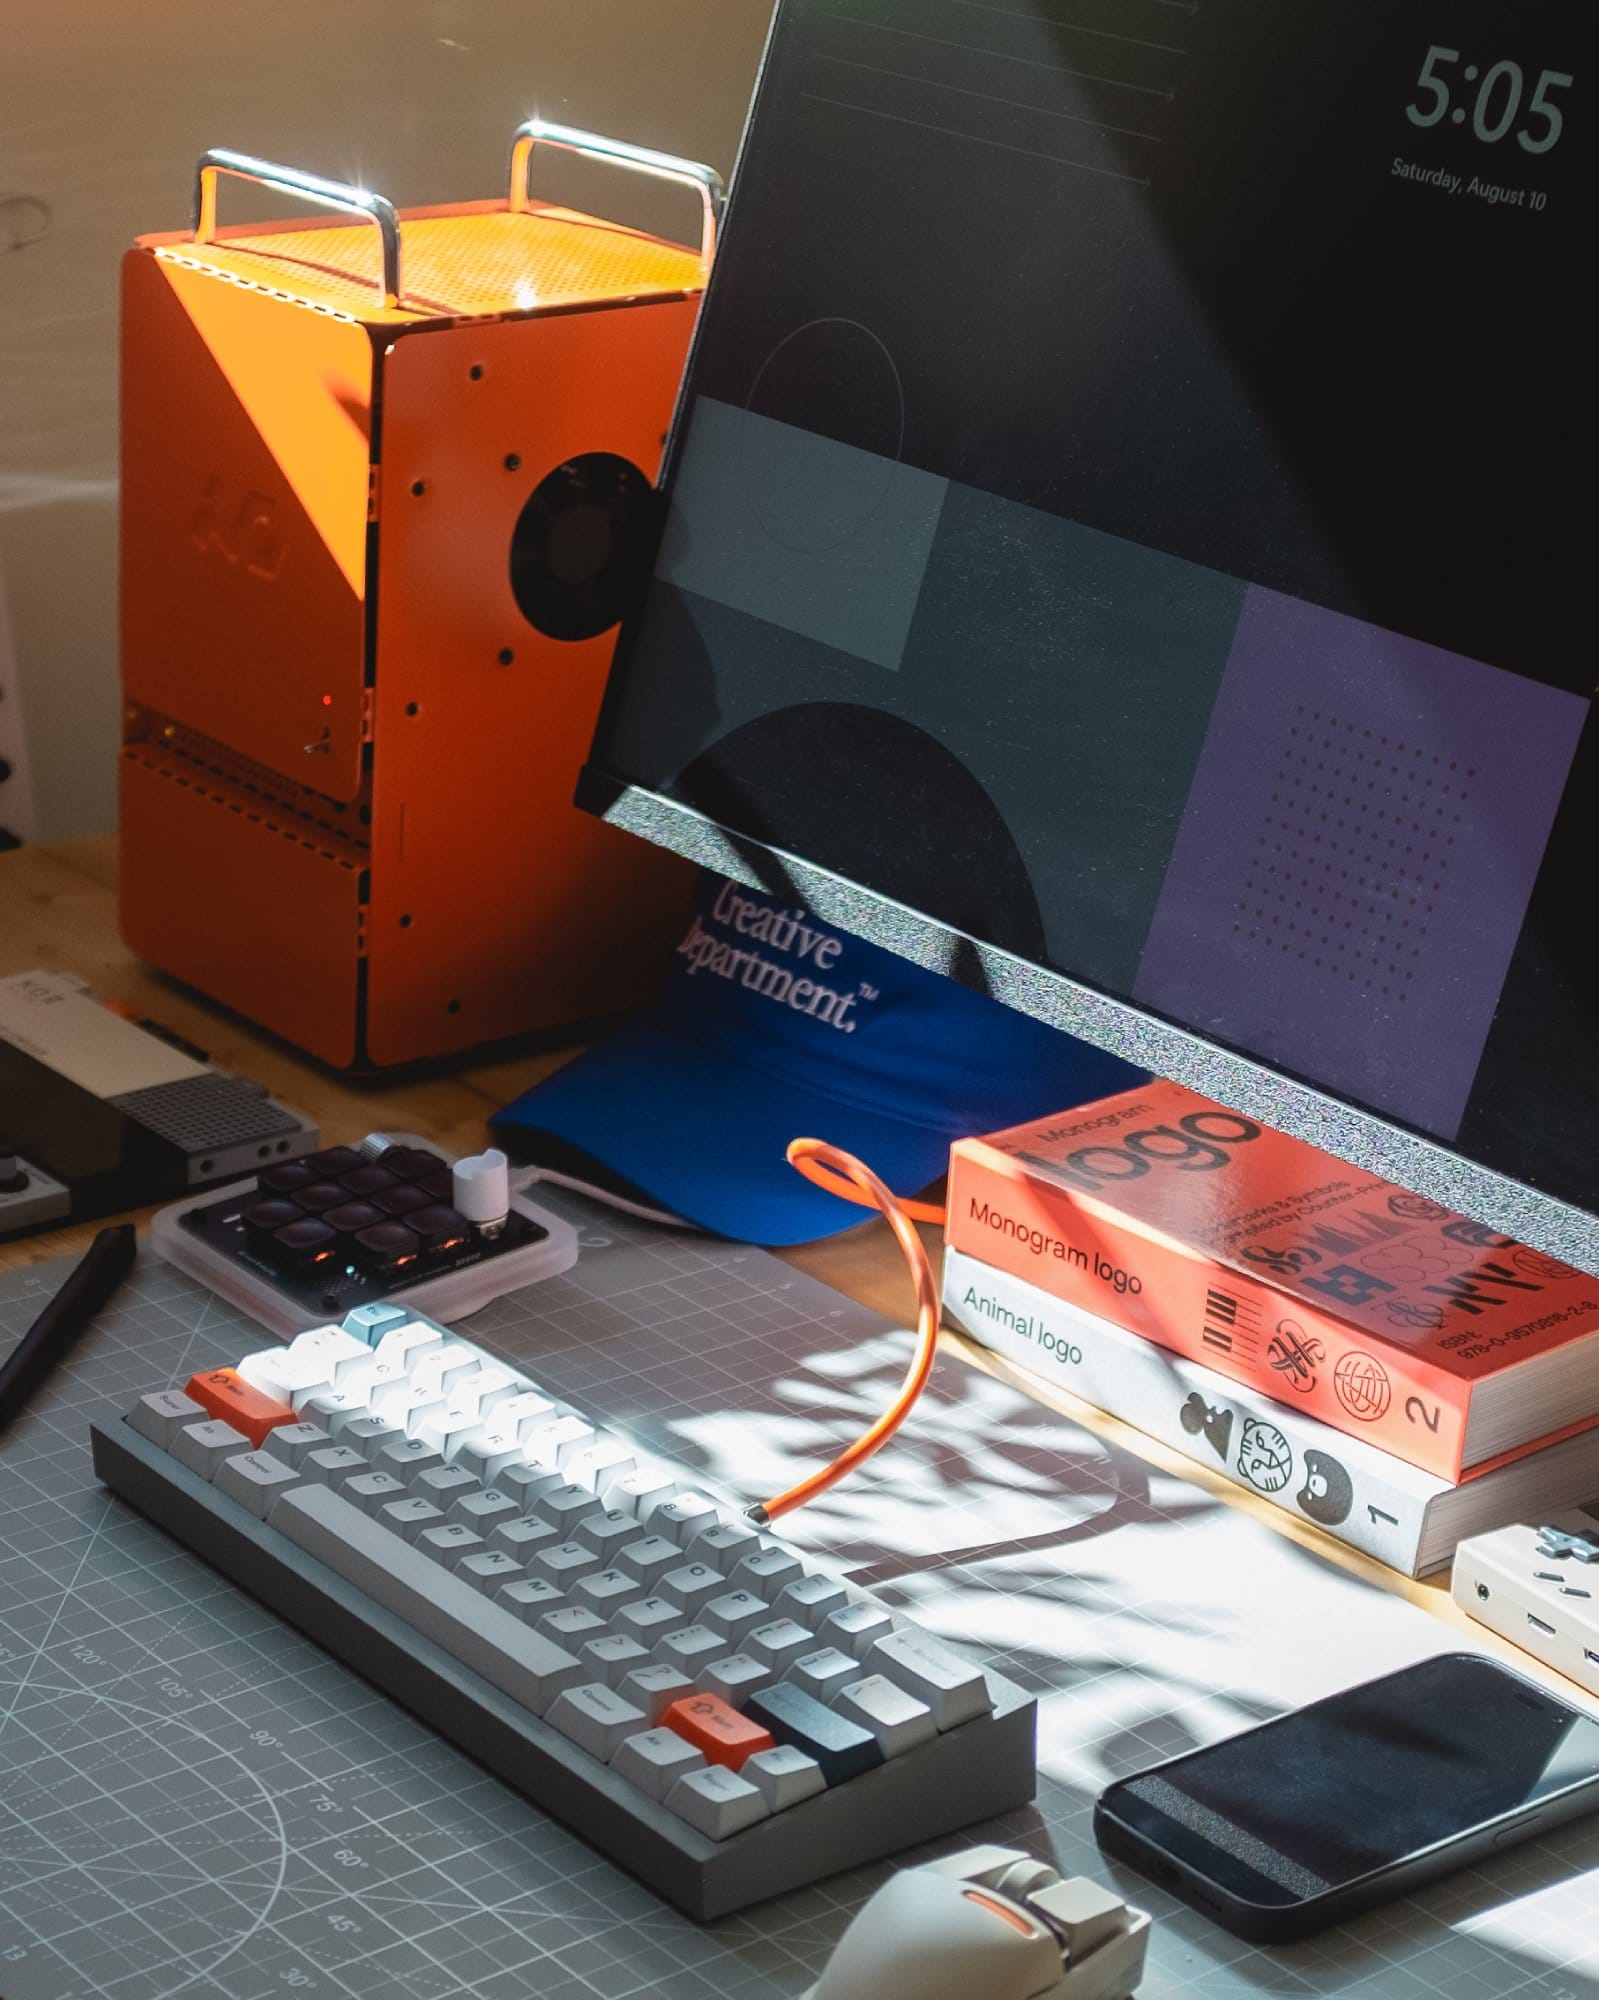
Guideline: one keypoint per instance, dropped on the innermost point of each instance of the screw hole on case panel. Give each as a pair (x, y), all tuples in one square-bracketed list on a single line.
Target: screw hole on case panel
[(1482, 1592), (476, 371), (207, 1166), (405, 923), (513, 460), (413, 708), (418, 488), (453, 1008), (506, 656)]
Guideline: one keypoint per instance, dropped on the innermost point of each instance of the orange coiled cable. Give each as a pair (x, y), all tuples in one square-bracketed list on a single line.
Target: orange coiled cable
[(842, 1174)]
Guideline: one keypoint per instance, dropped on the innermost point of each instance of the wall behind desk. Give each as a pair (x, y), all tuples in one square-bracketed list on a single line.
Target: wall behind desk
[(105, 105)]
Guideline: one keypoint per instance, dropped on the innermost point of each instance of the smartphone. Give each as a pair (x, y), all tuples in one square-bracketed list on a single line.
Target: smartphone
[(1302, 1822)]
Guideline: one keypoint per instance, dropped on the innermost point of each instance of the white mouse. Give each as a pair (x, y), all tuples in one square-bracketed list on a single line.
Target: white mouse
[(989, 1924)]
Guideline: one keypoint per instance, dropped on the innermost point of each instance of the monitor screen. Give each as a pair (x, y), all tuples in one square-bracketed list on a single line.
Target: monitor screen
[(1128, 541)]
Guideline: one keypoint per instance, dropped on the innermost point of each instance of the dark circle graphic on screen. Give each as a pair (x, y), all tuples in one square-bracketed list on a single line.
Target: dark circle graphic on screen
[(836, 378), (841, 784), (580, 544)]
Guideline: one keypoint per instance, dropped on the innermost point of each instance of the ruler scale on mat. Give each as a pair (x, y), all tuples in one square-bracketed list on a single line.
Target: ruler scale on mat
[(195, 1799)]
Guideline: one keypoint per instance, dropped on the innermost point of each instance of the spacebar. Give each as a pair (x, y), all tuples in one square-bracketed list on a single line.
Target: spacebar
[(493, 1643)]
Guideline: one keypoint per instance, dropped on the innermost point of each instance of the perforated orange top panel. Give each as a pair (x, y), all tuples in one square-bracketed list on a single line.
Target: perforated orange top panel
[(466, 262)]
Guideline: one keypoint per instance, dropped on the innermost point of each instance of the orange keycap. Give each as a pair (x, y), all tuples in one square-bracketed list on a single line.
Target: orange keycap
[(718, 1731), (223, 1393)]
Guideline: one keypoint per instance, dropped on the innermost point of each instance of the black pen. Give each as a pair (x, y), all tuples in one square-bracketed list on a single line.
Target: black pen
[(105, 1264)]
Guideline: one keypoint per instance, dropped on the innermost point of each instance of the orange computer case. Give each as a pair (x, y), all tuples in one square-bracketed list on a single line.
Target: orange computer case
[(382, 478)]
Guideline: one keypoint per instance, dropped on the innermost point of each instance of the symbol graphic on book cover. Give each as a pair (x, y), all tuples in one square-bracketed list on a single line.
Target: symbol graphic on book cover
[(1264, 1457), (1296, 1355), (1328, 1492), (1216, 1424), (1228, 1320), (1534, 1264), (1406, 1312), (1417, 1208), (1363, 1386)]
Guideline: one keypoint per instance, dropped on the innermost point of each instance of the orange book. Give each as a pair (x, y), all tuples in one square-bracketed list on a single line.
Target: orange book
[(1381, 1312)]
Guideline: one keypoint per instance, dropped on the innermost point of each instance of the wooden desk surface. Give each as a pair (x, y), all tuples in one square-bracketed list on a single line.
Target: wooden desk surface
[(58, 914)]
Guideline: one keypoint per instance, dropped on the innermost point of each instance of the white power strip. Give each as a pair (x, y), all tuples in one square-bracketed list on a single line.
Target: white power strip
[(1539, 1588)]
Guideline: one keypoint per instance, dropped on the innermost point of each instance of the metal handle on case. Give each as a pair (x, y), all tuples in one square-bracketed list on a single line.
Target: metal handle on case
[(309, 187), (705, 181)]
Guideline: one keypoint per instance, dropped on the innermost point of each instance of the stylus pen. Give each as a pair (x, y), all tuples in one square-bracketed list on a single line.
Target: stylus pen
[(105, 1264)]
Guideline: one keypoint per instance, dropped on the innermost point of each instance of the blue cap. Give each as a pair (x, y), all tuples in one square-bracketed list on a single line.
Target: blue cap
[(772, 1026)]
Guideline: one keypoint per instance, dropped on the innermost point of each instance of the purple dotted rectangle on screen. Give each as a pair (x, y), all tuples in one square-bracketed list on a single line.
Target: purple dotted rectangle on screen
[(1356, 857)]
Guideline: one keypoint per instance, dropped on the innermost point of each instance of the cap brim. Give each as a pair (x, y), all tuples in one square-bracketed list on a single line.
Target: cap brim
[(705, 1136)]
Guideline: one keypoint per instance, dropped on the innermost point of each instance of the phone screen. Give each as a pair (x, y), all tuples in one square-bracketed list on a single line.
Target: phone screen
[(1363, 1779)]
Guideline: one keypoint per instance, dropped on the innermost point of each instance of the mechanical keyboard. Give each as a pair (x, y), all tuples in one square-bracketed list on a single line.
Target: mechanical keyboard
[(715, 1711)]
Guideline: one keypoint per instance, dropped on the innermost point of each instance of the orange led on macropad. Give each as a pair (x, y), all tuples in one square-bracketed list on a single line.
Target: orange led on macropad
[(224, 1393), (718, 1731)]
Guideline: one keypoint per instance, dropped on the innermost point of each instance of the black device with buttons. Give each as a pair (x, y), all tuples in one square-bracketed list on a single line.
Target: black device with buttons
[(349, 1226)]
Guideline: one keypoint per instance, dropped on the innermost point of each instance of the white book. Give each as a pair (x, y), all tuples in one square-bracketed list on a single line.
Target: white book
[(1409, 1519)]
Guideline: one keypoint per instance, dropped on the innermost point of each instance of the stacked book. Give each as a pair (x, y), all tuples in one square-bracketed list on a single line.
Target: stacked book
[(1360, 1355)]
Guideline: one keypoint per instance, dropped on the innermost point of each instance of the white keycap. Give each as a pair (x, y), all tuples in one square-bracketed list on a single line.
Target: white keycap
[(292, 1442), (480, 1510), (648, 1557), (646, 1618), (655, 1759), (405, 1458), (768, 1573), (449, 1542), (780, 1643), (405, 1345), (329, 1347), (736, 1612), (394, 1401), (571, 1626), (735, 1678), (160, 1417), (783, 1776), (372, 1491), (612, 1658), (438, 1370), (203, 1446), (898, 1720), (332, 1408), (444, 1485), (443, 1425), (527, 1484), (692, 1585), (952, 1688), (544, 1443), (485, 1452), (606, 1533), (523, 1412), (690, 1647), (529, 1597), (487, 1388), (680, 1520), (605, 1591), (563, 1564), (601, 1463), (522, 1538), (725, 1546), (368, 1435), (810, 1601), (254, 1480), (823, 1673), (488, 1570), (596, 1718), (655, 1688), (407, 1518), (717, 1802), (651, 1486), (271, 1371), (562, 1506), (443, 1608), (856, 1628)]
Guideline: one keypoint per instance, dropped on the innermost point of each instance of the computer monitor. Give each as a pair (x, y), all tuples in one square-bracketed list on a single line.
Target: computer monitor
[(1129, 544)]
